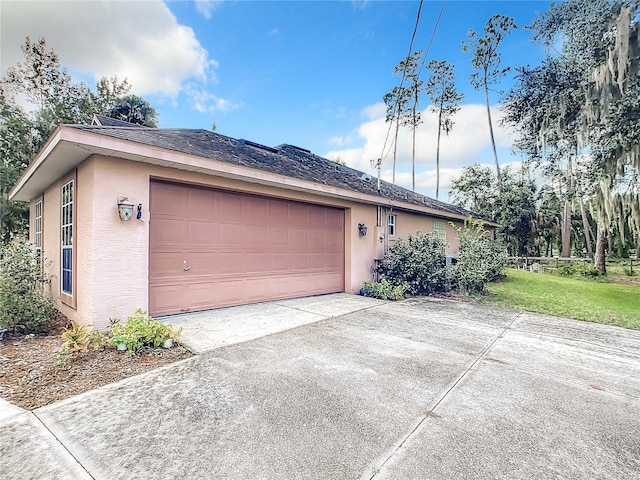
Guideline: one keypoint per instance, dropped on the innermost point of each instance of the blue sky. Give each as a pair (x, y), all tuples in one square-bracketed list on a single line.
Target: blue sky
[(308, 73)]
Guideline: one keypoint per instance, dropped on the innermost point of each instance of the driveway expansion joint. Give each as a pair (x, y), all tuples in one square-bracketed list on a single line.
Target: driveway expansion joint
[(35, 415), (430, 412)]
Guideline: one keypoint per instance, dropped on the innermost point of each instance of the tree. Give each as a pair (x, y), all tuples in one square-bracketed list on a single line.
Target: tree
[(402, 104), (486, 59), (410, 67), (16, 149), (513, 207), (134, 109), (41, 81), (445, 101), (397, 102), (600, 38), (108, 93)]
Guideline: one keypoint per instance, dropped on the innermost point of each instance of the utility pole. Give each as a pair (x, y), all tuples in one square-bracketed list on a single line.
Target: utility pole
[(377, 164)]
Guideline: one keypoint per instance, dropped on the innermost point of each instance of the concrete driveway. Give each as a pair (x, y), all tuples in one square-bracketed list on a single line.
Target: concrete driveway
[(420, 389)]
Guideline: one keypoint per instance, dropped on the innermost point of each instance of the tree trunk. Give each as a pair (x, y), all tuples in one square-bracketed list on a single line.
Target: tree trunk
[(438, 153), (601, 242), (395, 149), (413, 158), (493, 140), (566, 229), (585, 225)]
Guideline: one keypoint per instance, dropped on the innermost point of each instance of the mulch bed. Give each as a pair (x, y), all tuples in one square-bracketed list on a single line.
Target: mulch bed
[(31, 375)]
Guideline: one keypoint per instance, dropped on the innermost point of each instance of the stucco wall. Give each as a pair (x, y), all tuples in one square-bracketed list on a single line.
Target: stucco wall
[(408, 223), (112, 255)]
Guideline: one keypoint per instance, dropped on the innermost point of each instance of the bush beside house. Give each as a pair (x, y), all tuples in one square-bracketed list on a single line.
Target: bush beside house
[(23, 306), (418, 264)]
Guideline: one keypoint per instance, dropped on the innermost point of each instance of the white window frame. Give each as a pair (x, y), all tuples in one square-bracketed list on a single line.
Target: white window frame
[(37, 228), (66, 237), (391, 225), (440, 228)]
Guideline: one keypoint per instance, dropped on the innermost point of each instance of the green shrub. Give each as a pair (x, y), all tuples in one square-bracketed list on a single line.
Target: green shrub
[(140, 330), (480, 259), (23, 306), (384, 290), (584, 269), (417, 262)]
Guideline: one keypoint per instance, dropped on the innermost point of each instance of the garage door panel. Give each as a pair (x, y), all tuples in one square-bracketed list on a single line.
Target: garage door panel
[(168, 230), (317, 216), (229, 206), (256, 262), (317, 238), (200, 204), (239, 248), (334, 239), (165, 264), (231, 234), (278, 212), (255, 234), (278, 235), (201, 232), (255, 209), (166, 298), (299, 237), (200, 263), (229, 262), (299, 215), (169, 199)]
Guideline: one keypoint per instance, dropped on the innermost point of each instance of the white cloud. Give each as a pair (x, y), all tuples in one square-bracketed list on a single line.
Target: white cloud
[(207, 7), (141, 41), (204, 101), (468, 143), (375, 111)]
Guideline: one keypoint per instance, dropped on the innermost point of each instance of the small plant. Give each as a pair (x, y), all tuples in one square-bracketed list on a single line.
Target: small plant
[(385, 290), (140, 330), (62, 355), (23, 306), (76, 338)]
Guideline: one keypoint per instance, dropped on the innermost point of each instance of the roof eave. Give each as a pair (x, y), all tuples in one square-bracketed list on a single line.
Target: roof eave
[(73, 146)]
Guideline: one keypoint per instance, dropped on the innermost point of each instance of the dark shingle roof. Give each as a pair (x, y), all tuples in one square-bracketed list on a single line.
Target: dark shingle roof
[(284, 159), (101, 120)]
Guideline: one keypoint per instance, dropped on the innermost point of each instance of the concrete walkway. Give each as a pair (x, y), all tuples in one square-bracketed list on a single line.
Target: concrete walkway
[(420, 389)]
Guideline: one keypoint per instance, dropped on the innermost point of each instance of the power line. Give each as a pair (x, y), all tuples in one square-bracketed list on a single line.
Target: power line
[(415, 29)]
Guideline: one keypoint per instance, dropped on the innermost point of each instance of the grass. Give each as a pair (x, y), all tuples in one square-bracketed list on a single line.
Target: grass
[(590, 300)]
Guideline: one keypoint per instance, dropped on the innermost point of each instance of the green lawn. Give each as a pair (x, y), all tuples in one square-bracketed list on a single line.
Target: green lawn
[(589, 300)]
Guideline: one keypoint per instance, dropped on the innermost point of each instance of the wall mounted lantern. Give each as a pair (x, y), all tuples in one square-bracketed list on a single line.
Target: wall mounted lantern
[(362, 229), (125, 209)]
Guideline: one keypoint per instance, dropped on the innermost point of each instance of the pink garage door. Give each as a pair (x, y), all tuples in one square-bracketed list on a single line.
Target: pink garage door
[(211, 248)]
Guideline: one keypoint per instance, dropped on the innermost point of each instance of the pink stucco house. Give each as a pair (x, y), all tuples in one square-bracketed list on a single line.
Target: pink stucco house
[(214, 221)]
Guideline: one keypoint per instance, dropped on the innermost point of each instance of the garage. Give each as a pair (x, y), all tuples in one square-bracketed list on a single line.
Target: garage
[(213, 248)]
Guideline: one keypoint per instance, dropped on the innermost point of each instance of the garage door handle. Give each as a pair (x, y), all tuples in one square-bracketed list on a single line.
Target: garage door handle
[(187, 268)]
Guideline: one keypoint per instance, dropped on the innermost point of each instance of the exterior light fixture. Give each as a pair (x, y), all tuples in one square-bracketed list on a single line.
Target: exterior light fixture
[(125, 209), (362, 229)]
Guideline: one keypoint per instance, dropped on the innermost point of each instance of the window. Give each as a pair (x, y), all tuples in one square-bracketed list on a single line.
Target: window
[(67, 238), (440, 228), (37, 229), (391, 225)]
